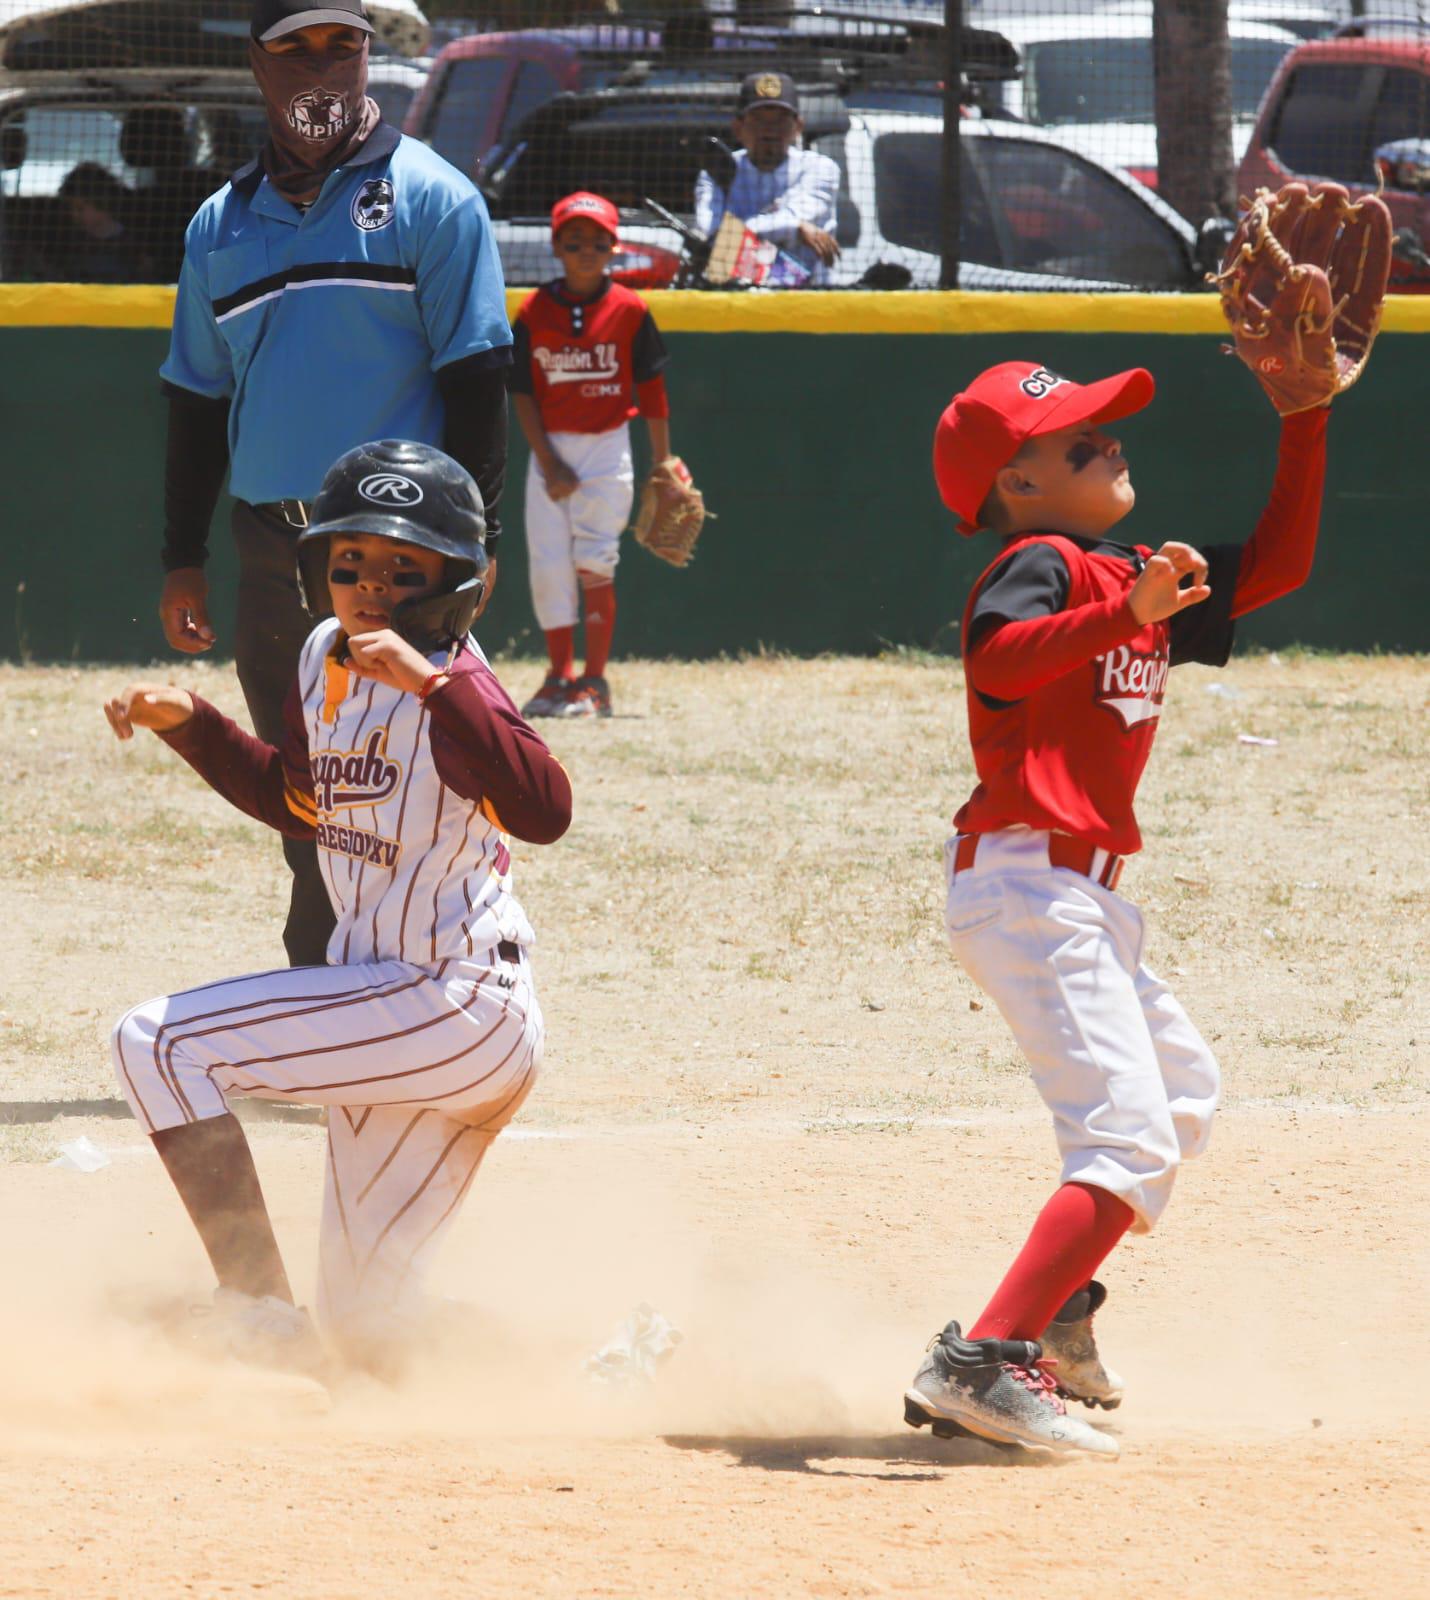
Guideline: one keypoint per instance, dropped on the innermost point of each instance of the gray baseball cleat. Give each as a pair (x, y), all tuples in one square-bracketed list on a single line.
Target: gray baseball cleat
[(590, 697), (1068, 1342), (994, 1388), (267, 1332), (551, 699)]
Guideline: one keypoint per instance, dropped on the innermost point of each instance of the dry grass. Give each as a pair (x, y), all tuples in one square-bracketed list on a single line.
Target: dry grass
[(744, 919), (799, 1140)]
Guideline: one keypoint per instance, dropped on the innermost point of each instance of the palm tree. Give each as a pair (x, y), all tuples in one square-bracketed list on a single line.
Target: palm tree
[(1191, 54)]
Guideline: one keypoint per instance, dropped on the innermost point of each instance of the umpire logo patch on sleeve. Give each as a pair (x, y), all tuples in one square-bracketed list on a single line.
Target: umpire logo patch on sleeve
[(374, 205)]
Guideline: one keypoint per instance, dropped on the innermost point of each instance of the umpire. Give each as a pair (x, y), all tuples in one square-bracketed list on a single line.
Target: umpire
[(343, 286)]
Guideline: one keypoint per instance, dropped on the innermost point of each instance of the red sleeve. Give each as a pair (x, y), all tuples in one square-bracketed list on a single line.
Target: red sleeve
[(275, 787), (651, 397), (485, 752), (1277, 558), (1018, 657)]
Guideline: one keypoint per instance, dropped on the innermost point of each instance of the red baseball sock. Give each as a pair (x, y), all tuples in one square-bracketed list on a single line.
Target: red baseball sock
[(600, 608), (561, 647), (1074, 1232)]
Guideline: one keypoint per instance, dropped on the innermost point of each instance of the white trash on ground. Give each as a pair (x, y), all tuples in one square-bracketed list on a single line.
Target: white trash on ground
[(81, 1155), (644, 1342), (1252, 738), (1225, 691)]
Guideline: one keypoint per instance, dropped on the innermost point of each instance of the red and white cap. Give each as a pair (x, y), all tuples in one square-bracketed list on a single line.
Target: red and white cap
[(987, 424), (591, 207)]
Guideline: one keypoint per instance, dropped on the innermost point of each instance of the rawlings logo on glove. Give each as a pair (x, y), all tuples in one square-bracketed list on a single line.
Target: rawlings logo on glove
[(672, 512), (1302, 284)]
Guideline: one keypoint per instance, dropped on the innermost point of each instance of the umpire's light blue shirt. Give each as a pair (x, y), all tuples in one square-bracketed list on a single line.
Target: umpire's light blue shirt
[(326, 327)]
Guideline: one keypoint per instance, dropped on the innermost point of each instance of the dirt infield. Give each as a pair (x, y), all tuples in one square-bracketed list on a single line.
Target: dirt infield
[(775, 1110)]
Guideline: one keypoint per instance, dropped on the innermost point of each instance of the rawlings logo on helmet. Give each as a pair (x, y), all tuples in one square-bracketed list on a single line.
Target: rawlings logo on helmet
[(390, 489), (317, 115)]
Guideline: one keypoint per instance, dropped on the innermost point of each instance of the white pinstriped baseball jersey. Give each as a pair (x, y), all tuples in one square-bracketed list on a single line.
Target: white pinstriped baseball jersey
[(415, 872), (424, 1035)]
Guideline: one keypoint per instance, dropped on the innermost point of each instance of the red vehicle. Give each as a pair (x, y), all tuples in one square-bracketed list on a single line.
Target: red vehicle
[(481, 88), (1331, 111)]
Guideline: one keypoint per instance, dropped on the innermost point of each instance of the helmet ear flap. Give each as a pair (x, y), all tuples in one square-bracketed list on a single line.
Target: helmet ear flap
[(313, 588), (440, 620)]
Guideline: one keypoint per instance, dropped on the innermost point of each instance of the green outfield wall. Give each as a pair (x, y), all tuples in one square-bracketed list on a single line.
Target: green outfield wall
[(807, 420)]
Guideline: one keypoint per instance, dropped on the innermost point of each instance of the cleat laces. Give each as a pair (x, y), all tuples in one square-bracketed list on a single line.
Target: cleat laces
[(1040, 1381)]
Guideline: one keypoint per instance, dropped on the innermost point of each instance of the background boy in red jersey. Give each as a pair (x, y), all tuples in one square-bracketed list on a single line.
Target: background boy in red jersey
[(587, 357), (1068, 637)]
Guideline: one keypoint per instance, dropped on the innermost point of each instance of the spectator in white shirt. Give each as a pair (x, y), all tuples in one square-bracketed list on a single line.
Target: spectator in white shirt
[(781, 192)]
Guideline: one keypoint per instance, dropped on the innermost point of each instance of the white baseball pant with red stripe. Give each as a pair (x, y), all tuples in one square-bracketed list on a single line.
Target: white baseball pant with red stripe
[(421, 1068), (1131, 1084), (582, 531)]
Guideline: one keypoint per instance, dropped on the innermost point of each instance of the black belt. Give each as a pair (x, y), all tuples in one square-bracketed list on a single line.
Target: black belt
[(293, 512), (509, 952)]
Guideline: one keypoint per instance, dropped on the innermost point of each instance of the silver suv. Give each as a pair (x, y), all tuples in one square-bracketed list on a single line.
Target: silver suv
[(143, 122)]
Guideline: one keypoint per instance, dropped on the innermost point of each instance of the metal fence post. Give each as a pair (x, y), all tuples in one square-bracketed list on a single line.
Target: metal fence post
[(950, 177)]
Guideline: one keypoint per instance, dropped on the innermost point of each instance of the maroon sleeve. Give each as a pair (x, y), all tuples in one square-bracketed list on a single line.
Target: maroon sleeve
[(1278, 556), (275, 787), (1019, 657), (485, 752)]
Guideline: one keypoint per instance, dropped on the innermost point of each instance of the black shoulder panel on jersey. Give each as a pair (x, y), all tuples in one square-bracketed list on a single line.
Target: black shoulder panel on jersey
[(1206, 632), (648, 351), (1032, 582), (518, 378)]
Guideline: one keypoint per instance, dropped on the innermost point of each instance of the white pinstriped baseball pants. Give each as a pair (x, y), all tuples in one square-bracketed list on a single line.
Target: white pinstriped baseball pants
[(421, 1068)]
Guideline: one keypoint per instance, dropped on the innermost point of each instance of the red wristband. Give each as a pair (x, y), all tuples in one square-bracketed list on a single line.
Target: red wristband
[(429, 684)]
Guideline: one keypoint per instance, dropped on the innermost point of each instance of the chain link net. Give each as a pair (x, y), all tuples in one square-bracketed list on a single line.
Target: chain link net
[(1098, 145)]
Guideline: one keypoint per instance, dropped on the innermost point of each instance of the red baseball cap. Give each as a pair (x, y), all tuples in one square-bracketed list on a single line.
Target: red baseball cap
[(987, 424), (592, 207)]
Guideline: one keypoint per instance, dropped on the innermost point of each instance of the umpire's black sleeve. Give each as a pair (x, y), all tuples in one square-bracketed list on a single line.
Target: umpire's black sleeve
[(195, 460), (474, 393)]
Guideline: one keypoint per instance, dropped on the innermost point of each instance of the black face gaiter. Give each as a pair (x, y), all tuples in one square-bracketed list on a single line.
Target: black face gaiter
[(318, 115)]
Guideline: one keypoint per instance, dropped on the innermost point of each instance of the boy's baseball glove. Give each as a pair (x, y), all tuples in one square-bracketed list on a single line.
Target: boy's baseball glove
[(671, 513), (1302, 284)]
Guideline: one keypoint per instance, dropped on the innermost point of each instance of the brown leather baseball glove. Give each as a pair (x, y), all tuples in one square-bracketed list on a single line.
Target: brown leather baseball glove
[(1302, 285), (671, 512)]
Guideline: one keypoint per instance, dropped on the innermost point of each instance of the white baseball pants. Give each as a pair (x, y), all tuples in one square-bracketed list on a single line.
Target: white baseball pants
[(421, 1068), (584, 530), (1131, 1084)]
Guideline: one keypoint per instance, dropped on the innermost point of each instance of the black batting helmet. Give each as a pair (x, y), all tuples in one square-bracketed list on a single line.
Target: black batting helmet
[(413, 492)]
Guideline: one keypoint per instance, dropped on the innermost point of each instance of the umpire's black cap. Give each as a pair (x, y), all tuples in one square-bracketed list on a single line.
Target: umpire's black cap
[(273, 18), (768, 89)]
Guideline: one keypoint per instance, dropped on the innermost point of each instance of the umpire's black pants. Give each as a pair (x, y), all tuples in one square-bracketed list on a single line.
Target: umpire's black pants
[(268, 638)]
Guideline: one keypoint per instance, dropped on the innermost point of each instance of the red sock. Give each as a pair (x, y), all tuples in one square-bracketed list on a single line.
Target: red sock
[(1074, 1232), (561, 647), (600, 608)]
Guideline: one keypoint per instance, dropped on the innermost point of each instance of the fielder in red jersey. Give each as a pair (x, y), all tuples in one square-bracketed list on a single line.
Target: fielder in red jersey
[(1068, 639), (587, 357)]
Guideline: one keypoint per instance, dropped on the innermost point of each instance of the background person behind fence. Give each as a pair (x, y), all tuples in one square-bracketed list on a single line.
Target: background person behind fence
[(780, 191), (102, 243)]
